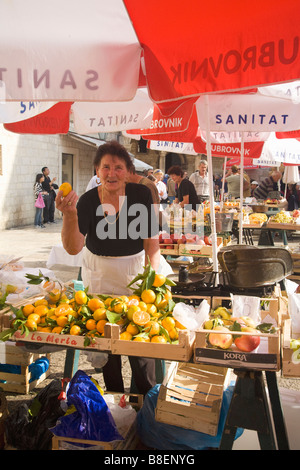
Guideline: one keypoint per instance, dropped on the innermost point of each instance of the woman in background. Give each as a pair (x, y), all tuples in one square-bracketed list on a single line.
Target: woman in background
[(38, 189)]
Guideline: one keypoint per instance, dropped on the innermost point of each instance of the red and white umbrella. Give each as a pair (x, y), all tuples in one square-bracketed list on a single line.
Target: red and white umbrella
[(102, 51)]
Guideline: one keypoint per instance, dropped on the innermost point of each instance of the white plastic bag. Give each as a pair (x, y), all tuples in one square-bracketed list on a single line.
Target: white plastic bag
[(123, 417), (294, 310), (246, 306), (190, 317)]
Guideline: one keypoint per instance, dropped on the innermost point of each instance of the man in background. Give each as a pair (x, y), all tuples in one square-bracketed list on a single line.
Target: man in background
[(200, 180), (49, 186)]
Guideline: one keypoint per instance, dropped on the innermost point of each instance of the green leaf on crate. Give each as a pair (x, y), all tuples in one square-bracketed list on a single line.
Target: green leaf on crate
[(163, 331), (6, 334), (113, 317), (266, 328)]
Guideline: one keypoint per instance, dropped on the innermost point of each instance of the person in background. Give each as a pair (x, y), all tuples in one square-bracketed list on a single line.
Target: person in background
[(267, 185), (186, 192), (200, 180), (161, 187), (38, 189), (49, 186), (246, 186), (113, 253), (171, 189), (93, 183), (293, 196), (232, 178), (253, 186)]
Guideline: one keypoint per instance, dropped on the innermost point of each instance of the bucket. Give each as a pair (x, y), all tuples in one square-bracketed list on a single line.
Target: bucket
[(224, 221)]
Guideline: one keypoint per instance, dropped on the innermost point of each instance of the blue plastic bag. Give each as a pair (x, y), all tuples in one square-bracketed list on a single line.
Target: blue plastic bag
[(91, 419), (163, 436)]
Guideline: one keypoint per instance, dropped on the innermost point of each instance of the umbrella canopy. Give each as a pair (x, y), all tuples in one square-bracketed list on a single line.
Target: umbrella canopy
[(102, 51)]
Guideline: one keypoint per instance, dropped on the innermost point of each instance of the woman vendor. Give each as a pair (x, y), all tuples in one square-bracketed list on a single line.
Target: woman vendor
[(116, 227), (185, 193)]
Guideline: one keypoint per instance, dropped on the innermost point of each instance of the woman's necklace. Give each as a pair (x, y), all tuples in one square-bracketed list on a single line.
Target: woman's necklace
[(105, 214)]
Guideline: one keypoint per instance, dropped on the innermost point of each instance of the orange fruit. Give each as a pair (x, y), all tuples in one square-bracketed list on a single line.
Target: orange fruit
[(126, 336), (108, 301), (131, 310), (95, 303), (28, 309), (100, 326), (142, 339), (152, 328), (57, 329), (158, 339), (179, 325), (133, 300), (35, 317), (124, 298), (45, 329), (75, 330), (91, 324), (31, 325), (168, 323), (80, 297), (54, 296), (152, 309), (120, 307), (141, 318), (48, 285), (173, 334), (41, 310), (100, 314), (61, 320), (66, 188), (41, 302), (143, 305), (159, 280), (132, 329), (63, 309), (148, 296), (168, 295)]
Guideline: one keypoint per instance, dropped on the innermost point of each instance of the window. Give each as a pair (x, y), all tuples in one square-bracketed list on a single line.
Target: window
[(67, 168)]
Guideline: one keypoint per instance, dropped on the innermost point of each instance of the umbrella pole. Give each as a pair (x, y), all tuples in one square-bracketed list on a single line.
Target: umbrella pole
[(241, 190), (223, 185), (211, 194)]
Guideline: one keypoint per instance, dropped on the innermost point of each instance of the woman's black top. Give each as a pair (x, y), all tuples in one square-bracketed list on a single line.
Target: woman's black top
[(107, 236), (185, 188)]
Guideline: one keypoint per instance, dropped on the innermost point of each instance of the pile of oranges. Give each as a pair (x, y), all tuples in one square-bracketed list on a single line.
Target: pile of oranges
[(146, 317)]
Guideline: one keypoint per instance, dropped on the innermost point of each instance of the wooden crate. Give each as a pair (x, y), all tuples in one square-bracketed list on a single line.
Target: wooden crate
[(182, 351), (191, 397), (267, 355), (169, 249), (70, 341), (189, 249), (130, 441), (19, 383), (289, 368)]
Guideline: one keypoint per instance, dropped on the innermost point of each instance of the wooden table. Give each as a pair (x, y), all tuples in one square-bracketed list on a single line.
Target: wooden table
[(267, 232)]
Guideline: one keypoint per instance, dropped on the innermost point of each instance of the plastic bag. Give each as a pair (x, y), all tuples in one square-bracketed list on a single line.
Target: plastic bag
[(88, 416), (163, 436), (124, 416), (190, 317), (27, 427), (97, 359)]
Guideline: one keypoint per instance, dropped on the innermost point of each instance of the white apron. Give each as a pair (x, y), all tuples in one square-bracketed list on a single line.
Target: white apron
[(112, 274)]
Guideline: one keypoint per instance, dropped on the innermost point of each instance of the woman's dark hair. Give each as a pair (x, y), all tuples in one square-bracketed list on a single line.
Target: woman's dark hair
[(113, 148), (38, 177), (175, 170)]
